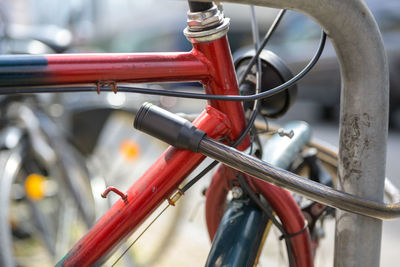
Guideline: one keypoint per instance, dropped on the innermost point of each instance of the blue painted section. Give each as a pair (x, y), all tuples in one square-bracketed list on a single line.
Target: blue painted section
[(238, 236), (16, 70), (22, 60)]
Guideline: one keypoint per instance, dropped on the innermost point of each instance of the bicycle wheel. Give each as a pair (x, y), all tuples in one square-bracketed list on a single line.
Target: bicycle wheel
[(10, 162), (38, 217)]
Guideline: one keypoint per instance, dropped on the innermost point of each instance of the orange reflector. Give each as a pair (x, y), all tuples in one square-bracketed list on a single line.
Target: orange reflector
[(130, 150), (35, 186)]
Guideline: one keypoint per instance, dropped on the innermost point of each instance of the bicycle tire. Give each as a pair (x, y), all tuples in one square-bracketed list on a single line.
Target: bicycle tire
[(8, 174), (46, 223)]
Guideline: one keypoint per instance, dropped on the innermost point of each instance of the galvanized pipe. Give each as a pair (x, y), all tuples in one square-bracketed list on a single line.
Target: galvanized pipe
[(363, 116)]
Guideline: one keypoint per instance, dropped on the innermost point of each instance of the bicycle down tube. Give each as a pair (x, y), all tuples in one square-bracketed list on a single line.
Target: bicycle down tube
[(155, 186)]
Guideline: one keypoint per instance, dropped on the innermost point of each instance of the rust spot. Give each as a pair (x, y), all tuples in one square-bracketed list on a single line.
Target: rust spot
[(112, 84)]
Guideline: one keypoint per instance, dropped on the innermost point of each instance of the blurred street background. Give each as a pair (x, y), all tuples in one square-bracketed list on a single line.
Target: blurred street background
[(56, 26)]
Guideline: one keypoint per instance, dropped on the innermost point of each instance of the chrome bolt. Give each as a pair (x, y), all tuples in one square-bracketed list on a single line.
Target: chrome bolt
[(282, 132), (237, 192)]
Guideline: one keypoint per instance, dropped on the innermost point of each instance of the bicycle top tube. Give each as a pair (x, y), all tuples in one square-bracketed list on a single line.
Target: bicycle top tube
[(61, 69)]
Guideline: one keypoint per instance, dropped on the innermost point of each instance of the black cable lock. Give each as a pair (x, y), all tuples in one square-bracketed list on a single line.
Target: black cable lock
[(168, 127)]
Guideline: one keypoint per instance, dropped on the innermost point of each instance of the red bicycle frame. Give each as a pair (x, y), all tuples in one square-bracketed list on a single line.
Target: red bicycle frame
[(209, 63)]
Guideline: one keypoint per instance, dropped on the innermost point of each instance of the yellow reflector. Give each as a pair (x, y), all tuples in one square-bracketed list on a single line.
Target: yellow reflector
[(35, 186), (130, 150)]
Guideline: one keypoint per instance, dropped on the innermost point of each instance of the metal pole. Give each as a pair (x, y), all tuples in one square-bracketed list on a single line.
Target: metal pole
[(363, 119)]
